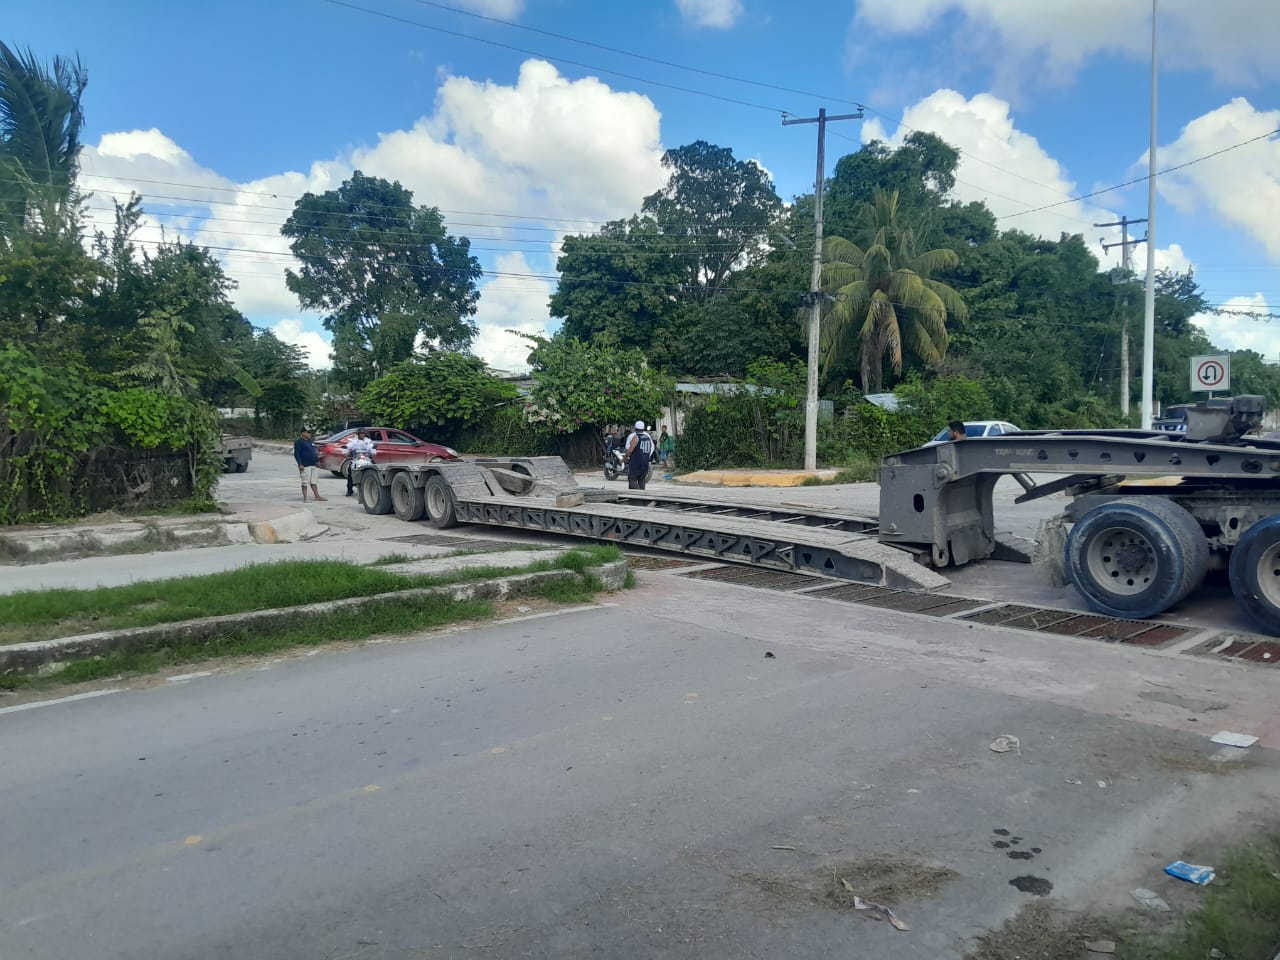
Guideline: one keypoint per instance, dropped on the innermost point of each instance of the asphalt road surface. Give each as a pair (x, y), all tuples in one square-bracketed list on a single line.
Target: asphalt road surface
[(635, 780)]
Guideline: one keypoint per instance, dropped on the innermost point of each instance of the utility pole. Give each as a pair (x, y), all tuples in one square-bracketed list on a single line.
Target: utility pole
[(1127, 266), (1149, 312), (815, 285)]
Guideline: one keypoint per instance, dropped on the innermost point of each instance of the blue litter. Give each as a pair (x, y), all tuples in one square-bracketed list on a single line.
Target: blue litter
[(1190, 872)]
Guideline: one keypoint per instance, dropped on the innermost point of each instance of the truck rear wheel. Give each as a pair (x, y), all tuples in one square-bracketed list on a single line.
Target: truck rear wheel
[(1136, 557), (375, 497), (408, 500), (440, 511), (1255, 574)]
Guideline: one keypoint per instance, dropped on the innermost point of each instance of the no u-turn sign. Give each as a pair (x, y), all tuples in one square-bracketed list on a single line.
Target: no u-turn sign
[(1211, 373)]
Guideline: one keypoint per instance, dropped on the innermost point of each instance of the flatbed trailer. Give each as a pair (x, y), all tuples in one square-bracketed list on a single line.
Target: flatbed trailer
[(541, 494), (1151, 511)]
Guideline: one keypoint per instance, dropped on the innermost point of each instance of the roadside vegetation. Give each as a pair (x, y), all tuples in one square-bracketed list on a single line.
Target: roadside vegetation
[(46, 614), (1237, 917)]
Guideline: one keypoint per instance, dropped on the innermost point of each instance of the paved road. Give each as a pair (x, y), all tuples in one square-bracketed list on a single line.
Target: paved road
[(618, 782)]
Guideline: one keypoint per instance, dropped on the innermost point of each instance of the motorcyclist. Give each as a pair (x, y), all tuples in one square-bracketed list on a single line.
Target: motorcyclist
[(357, 445)]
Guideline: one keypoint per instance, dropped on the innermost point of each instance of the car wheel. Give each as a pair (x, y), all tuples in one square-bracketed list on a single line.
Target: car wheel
[(1255, 574), (375, 497), (407, 499), (440, 506), (337, 473), (1136, 557)]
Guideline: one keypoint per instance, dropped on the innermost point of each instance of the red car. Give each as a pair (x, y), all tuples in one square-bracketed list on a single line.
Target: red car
[(394, 446)]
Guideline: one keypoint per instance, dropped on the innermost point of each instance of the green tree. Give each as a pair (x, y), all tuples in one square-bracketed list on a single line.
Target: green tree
[(885, 298), (282, 374), (441, 390), (578, 384), (386, 273), (40, 122)]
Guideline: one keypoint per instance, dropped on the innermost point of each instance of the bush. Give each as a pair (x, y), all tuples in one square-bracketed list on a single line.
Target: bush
[(507, 432)]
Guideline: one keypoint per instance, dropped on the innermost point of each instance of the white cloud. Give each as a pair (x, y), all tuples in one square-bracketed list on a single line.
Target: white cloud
[(502, 9), (526, 162), (1235, 42), (1237, 332), (1171, 257), (719, 14), (313, 344), (1240, 187), (511, 303), (1000, 164)]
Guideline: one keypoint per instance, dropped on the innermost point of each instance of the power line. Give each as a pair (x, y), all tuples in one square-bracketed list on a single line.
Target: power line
[(1143, 179), (544, 56)]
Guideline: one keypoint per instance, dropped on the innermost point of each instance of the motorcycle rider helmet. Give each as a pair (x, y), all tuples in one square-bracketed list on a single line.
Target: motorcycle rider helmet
[(639, 424)]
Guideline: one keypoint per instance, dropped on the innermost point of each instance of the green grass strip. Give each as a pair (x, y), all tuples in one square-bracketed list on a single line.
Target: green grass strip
[(46, 614), (391, 616)]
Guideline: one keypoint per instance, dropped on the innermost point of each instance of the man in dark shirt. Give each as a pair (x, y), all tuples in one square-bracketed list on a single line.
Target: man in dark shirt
[(306, 457)]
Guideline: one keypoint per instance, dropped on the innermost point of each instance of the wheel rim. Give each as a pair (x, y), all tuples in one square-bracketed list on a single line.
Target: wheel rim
[(400, 495), (1122, 561), (1269, 575), (437, 501)]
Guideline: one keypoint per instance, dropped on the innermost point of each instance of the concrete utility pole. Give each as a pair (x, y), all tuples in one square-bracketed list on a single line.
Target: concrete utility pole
[(1149, 313), (1127, 266), (815, 285)]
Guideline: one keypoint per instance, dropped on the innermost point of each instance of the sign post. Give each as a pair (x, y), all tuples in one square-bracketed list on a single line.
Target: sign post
[(1211, 373)]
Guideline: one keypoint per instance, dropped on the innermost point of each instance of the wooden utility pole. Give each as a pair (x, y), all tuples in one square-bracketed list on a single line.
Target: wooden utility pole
[(815, 285), (1127, 266)]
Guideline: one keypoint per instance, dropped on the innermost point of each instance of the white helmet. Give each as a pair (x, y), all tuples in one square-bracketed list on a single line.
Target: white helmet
[(639, 424)]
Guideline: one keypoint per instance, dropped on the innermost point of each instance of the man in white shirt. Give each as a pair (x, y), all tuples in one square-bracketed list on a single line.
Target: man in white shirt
[(357, 445)]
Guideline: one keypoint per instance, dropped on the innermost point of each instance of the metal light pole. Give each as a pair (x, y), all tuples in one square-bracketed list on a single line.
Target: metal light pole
[(1149, 317), (815, 287)]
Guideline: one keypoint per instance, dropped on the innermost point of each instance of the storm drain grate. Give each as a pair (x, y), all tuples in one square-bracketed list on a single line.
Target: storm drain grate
[(460, 543), (1006, 611), (850, 592), (1039, 620), (752, 577), (910, 601), (658, 563), (1241, 646)]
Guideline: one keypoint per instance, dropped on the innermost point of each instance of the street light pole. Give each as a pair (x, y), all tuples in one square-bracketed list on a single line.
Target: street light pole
[(1149, 317), (815, 286)]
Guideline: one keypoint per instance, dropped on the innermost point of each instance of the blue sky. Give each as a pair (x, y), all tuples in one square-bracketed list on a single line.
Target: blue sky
[(233, 110)]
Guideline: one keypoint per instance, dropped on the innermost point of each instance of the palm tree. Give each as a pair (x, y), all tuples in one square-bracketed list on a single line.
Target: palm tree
[(884, 296), (40, 123)]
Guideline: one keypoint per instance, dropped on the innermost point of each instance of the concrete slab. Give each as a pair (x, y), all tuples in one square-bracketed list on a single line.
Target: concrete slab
[(756, 478)]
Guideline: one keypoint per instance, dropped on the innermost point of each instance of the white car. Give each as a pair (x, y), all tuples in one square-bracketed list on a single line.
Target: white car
[(977, 428)]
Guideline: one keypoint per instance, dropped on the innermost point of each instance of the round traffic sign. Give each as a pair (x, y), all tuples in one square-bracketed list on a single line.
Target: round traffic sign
[(1210, 373)]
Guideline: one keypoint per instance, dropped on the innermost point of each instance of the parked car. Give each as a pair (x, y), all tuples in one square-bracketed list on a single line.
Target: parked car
[(394, 446), (978, 428)]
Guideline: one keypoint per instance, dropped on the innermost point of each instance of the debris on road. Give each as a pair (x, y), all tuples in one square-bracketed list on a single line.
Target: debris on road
[(1234, 739), (1006, 742), (1190, 872), (781, 846), (1151, 900), (1074, 782), (768, 655), (1100, 946), (876, 908)]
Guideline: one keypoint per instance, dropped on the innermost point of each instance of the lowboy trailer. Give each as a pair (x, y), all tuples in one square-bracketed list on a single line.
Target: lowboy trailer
[(1151, 511)]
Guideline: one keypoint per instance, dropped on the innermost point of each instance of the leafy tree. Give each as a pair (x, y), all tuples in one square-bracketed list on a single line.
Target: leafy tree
[(885, 297), (579, 384), (40, 122), (282, 374), (385, 271), (445, 390)]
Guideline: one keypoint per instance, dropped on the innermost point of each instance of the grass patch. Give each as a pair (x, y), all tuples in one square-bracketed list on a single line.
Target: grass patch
[(46, 614), (1240, 915), (406, 615), (390, 559)]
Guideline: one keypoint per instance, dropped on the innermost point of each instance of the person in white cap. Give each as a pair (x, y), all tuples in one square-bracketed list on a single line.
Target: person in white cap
[(639, 450)]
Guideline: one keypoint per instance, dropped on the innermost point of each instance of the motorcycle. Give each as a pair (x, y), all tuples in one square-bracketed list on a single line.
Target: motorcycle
[(614, 465)]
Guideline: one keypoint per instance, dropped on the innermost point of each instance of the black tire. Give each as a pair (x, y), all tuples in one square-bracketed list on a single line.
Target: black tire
[(407, 500), (242, 466), (440, 507), (1255, 574), (610, 472), (337, 473), (375, 497), (228, 465), (1136, 557), (345, 469)]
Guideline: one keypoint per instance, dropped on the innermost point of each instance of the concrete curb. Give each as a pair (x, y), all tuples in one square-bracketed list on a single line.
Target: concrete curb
[(288, 528), (63, 544), (45, 657)]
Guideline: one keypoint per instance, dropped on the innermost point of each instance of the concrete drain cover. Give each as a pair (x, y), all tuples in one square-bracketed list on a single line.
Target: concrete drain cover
[(1249, 647)]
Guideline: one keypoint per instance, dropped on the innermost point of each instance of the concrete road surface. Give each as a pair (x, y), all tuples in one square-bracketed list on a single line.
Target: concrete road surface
[(637, 780)]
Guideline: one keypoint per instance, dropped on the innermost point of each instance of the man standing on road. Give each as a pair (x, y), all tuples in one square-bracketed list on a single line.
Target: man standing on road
[(306, 457), (357, 445), (639, 449)]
